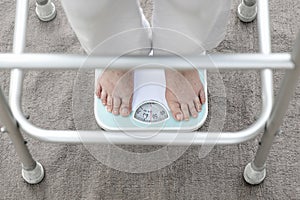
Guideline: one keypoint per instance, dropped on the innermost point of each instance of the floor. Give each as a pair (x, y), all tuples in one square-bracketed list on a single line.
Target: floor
[(73, 172)]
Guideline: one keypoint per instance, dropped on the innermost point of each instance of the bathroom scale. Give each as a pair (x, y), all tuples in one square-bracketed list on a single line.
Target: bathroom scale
[(150, 111)]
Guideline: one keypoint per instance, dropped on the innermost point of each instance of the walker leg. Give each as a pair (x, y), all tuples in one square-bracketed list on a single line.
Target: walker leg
[(247, 10), (32, 171), (255, 172), (45, 10)]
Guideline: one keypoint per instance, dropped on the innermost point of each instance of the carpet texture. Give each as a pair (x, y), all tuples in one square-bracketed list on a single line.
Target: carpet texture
[(73, 173)]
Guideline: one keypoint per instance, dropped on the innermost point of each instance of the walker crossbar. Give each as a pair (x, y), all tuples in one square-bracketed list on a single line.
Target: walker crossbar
[(65, 136), (212, 61), (270, 119)]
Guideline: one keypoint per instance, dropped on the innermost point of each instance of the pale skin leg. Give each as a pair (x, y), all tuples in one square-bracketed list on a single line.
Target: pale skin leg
[(187, 28), (98, 25), (194, 18), (184, 93)]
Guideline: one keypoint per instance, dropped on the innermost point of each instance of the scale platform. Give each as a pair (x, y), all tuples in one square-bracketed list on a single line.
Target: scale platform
[(150, 111)]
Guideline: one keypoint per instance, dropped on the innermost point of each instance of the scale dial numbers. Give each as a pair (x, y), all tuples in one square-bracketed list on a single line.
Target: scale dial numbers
[(151, 112)]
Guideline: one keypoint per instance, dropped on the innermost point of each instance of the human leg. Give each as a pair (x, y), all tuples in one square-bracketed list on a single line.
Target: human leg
[(187, 28), (114, 28)]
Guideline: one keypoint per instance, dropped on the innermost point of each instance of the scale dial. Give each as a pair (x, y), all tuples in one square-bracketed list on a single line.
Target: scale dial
[(151, 112)]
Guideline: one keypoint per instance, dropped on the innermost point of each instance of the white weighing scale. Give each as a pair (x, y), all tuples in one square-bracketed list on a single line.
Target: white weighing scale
[(150, 111)]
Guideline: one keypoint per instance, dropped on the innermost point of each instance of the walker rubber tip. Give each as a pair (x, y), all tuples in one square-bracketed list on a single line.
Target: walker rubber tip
[(253, 176), (46, 12), (34, 176), (247, 13)]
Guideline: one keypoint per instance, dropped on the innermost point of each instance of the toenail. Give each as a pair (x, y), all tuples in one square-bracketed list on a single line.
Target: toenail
[(179, 116), (199, 108), (194, 115), (115, 112), (124, 111)]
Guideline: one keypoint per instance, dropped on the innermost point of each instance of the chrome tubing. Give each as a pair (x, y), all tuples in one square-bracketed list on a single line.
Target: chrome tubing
[(255, 172), (263, 23), (165, 138), (286, 92), (212, 61), (10, 127), (6, 115), (197, 138)]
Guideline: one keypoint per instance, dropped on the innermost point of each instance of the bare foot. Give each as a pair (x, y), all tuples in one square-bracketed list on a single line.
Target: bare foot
[(115, 89), (184, 93)]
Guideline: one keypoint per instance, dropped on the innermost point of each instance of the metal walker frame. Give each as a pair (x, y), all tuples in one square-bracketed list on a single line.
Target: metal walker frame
[(270, 120)]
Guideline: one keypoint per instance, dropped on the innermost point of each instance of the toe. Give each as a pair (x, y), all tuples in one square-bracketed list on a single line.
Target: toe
[(185, 111), (104, 97), (198, 104), (98, 90), (176, 111), (109, 104), (202, 96), (125, 108), (193, 110), (116, 105)]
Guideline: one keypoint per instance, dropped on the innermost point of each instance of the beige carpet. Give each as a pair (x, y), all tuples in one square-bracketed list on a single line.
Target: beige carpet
[(73, 173)]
